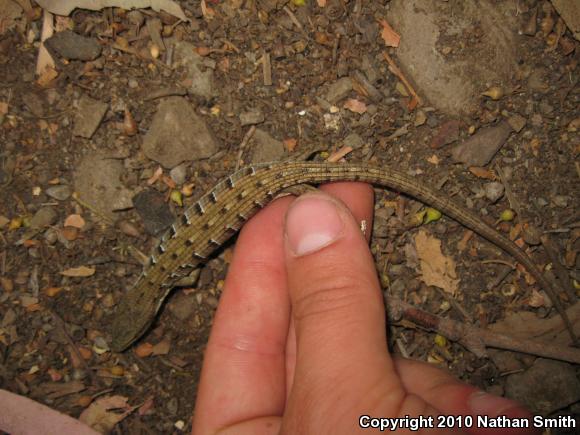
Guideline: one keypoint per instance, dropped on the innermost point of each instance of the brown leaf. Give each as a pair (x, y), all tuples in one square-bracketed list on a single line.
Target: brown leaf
[(390, 37), (355, 106), (74, 220), (144, 350), (161, 348), (101, 415), (436, 269), (485, 173)]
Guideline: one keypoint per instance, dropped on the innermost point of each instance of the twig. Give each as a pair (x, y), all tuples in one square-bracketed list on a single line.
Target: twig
[(165, 92), (508, 191), (415, 99), (476, 339), (551, 250), (266, 69), (295, 21), (244, 144), (58, 320)]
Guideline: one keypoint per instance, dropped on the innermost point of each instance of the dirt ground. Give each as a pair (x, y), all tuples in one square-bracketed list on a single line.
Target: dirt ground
[(145, 112)]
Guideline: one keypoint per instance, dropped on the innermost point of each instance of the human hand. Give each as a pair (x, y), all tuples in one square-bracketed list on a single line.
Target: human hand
[(298, 343)]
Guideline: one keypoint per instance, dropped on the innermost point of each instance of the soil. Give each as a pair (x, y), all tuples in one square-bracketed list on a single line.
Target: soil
[(54, 326)]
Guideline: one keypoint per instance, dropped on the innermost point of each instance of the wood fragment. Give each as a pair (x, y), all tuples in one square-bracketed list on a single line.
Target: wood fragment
[(415, 99), (267, 69), (244, 144), (473, 338)]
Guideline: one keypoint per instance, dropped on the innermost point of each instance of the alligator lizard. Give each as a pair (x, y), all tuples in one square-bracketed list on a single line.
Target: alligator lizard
[(220, 213)]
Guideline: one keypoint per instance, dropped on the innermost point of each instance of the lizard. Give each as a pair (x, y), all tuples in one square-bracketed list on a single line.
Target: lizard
[(219, 214)]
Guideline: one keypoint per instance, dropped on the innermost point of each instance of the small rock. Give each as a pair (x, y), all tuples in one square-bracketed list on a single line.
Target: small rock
[(545, 387), (35, 103), (179, 173), (251, 118), (43, 217), (178, 134), (182, 306), (353, 140), (517, 122), (51, 236), (150, 205), (420, 118), (560, 201), (71, 45), (201, 79), (532, 235), (98, 182), (60, 192), (88, 116), (480, 148), (338, 90), (493, 191), (265, 148)]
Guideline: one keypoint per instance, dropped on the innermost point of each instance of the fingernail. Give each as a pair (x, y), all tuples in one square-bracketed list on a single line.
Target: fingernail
[(312, 222), (488, 404)]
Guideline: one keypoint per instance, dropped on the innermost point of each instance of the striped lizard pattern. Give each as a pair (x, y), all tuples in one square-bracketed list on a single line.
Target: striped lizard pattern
[(220, 213)]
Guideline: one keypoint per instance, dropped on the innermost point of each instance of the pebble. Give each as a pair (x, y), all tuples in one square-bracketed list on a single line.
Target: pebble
[(532, 235), (560, 201), (353, 140), (494, 191), (51, 236), (251, 118), (43, 217), (60, 192), (179, 173), (338, 90)]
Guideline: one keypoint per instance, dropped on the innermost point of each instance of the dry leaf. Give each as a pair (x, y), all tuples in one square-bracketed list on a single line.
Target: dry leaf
[(153, 179), (434, 160), (101, 415), (45, 66), (321, 3), (436, 269), (74, 220), (207, 12), (290, 144), (480, 172), (161, 348), (81, 271), (355, 106), (144, 350), (390, 37), (528, 326), (65, 7), (536, 299)]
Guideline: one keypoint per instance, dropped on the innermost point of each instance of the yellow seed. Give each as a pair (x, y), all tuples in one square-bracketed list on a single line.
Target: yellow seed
[(154, 51), (117, 370), (417, 218), (176, 197), (298, 2), (440, 340), (507, 215), (15, 223), (432, 215), (495, 93), (187, 189)]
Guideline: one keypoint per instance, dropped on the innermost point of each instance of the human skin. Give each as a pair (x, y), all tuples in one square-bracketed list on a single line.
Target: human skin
[(299, 345)]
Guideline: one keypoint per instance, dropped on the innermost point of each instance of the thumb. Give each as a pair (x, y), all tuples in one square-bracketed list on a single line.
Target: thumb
[(337, 308)]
